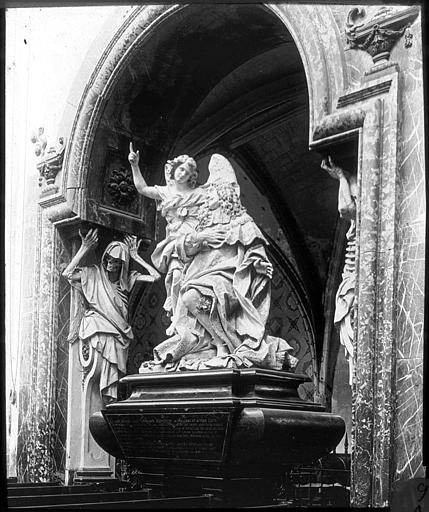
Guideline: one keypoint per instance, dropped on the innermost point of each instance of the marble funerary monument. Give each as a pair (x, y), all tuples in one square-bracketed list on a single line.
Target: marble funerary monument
[(230, 253)]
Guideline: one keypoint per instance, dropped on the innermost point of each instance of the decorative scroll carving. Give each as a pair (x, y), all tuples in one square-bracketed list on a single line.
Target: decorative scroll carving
[(85, 351), (87, 359), (50, 161), (379, 35)]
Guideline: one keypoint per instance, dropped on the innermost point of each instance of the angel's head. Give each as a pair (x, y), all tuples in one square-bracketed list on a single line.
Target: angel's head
[(182, 169)]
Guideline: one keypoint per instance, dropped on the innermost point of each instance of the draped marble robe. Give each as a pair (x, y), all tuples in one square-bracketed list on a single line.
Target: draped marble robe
[(235, 299), (105, 321)]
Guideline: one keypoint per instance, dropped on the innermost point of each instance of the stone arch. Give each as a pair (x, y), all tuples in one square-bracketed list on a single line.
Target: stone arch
[(317, 41), (322, 57), (320, 47)]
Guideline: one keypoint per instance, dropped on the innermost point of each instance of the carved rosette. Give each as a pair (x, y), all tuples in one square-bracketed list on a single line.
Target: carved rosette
[(50, 161), (121, 187), (379, 35), (85, 350)]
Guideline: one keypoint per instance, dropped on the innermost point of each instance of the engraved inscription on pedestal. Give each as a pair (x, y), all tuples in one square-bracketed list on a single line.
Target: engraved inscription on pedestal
[(198, 435)]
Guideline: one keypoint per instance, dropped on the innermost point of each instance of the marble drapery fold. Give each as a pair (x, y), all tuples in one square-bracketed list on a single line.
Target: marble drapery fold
[(233, 297)]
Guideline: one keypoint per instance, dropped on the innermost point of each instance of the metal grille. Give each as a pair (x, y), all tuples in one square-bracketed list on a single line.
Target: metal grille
[(325, 483)]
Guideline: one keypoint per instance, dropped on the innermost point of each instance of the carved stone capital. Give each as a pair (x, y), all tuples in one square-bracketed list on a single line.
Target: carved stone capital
[(378, 35), (50, 161)]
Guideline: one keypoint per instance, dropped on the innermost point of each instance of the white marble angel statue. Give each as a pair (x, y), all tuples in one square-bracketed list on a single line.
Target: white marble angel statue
[(217, 273)]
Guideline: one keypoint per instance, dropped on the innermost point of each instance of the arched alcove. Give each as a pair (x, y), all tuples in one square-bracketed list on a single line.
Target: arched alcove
[(235, 79), (197, 79), (253, 105)]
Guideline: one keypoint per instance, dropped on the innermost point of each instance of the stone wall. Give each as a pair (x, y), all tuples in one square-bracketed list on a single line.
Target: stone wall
[(411, 264), (37, 39)]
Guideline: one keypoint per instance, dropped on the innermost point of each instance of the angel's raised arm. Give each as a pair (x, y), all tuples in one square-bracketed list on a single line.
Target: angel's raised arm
[(140, 183)]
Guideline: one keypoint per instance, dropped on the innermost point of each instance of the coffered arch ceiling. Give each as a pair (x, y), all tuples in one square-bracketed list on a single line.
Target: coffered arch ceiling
[(229, 77)]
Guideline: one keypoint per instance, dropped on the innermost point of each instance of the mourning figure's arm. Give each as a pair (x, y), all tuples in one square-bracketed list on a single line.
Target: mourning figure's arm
[(89, 241), (133, 245)]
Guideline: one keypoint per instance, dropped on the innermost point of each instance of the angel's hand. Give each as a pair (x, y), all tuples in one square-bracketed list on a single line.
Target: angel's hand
[(90, 239), (133, 244), (213, 236), (134, 156), (264, 268), (332, 169)]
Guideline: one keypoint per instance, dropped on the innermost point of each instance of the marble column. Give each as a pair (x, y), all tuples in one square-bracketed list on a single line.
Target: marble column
[(44, 349), (388, 395), (374, 360), (37, 429), (385, 372), (387, 398)]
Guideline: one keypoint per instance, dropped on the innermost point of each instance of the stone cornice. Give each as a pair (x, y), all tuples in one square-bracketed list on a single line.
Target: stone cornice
[(364, 94), (339, 123)]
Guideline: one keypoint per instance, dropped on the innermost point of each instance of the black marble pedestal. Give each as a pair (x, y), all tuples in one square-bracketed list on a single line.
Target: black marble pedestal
[(228, 432)]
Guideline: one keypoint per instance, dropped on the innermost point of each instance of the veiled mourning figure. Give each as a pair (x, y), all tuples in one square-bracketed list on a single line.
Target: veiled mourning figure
[(345, 297), (105, 289), (217, 273)]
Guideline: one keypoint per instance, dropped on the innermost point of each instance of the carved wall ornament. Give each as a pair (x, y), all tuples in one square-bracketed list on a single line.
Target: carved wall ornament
[(121, 187), (85, 373), (39, 141), (50, 161), (378, 35), (85, 350), (408, 37), (86, 357)]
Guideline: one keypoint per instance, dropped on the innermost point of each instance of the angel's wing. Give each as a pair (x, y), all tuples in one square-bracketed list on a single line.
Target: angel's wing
[(221, 170), (223, 179)]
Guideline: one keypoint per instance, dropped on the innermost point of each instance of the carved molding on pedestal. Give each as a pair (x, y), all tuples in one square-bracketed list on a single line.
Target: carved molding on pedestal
[(378, 35)]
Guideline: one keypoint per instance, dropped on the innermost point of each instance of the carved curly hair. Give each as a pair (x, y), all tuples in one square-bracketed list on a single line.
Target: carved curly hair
[(173, 164)]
